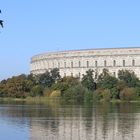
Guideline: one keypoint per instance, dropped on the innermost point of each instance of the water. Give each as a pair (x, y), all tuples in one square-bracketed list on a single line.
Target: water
[(54, 121)]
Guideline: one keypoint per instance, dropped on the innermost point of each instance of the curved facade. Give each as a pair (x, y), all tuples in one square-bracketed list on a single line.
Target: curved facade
[(77, 62)]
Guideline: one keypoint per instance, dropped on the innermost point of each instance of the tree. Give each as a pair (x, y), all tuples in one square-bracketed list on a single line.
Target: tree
[(129, 78), (88, 80), (55, 76), (48, 78), (65, 83), (37, 90), (106, 81), (44, 79), (17, 86)]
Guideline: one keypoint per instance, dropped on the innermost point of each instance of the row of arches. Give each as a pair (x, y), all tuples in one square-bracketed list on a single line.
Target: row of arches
[(96, 64)]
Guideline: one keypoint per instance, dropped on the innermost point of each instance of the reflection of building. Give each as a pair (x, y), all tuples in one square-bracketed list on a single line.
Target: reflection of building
[(85, 124), (77, 62)]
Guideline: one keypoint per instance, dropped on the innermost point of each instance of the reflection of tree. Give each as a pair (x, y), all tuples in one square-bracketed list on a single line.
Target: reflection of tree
[(126, 120), (87, 115), (57, 121)]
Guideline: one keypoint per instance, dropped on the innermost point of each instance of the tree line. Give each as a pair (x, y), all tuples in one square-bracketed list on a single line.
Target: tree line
[(51, 84)]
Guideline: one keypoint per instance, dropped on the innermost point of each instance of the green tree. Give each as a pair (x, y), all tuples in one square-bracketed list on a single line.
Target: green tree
[(44, 79), (88, 80), (55, 76), (129, 78), (37, 90), (47, 79), (76, 93), (106, 81), (17, 86), (65, 83)]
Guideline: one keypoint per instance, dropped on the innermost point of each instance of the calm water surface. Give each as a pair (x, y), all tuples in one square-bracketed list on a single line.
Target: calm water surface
[(54, 121)]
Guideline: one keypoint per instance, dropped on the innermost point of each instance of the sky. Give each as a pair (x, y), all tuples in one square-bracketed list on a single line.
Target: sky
[(36, 26)]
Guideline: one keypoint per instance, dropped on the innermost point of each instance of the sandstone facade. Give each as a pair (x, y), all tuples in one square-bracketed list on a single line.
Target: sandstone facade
[(77, 62)]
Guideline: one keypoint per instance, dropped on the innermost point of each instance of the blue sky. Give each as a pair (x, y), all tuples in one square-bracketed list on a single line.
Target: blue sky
[(36, 26)]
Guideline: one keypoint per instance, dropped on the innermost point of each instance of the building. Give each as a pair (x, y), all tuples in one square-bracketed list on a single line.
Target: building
[(77, 62)]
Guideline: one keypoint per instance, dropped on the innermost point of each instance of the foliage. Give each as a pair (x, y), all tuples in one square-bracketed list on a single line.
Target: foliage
[(128, 94), (106, 95), (55, 93), (55, 76), (88, 80), (47, 91), (114, 93), (90, 96), (75, 92), (37, 91), (129, 78), (50, 84), (65, 83), (47, 79), (106, 81), (16, 86)]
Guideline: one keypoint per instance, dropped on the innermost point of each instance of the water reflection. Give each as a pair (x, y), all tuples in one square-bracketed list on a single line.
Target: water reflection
[(54, 121)]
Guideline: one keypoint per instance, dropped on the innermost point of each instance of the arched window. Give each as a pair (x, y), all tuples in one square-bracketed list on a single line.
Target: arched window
[(114, 63), (96, 63), (105, 63), (71, 64), (64, 64), (123, 63), (79, 64), (133, 62), (87, 64)]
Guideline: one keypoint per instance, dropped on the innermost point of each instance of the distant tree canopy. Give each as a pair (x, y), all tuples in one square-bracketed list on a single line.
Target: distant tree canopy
[(22, 85), (48, 78), (106, 87), (106, 81), (88, 80), (129, 78)]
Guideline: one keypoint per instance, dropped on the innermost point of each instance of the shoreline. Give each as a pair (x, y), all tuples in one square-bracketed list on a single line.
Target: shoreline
[(47, 99)]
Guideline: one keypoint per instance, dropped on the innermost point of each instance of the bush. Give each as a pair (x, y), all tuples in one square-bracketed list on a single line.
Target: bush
[(47, 92), (65, 83), (106, 95), (37, 91), (88, 97), (128, 94), (114, 93), (55, 93), (76, 92)]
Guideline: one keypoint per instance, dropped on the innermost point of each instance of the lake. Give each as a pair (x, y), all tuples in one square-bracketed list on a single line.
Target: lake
[(55, 121)]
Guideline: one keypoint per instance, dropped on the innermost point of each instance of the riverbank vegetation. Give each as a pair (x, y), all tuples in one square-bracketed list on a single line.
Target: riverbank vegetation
[(72, 89)]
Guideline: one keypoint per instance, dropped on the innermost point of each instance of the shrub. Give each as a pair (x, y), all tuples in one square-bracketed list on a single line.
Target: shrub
[(128, 94), (76, 92), (37, 91), (55, 93), (88, 97), (114, 93), (47, 91), (106, 95)]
